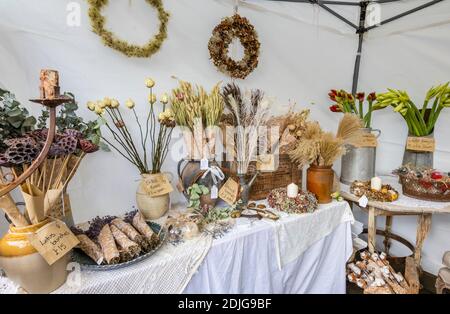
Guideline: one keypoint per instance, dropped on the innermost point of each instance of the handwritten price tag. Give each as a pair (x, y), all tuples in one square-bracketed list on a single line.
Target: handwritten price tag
[(229, 191), (421, 144), (53, 241), (368, 140), (157, 185)]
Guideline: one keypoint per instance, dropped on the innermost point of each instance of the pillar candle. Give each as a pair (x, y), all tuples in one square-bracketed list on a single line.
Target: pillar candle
[(292, 190), (375, 183)]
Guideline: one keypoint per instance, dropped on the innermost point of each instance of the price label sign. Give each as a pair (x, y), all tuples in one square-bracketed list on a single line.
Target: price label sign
[(157, 185), (229, 191), (368, 140), (421, 144), (53, 241)]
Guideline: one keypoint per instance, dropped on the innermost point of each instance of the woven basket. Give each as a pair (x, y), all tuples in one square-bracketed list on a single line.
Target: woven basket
[(428, 192), (286, 174)]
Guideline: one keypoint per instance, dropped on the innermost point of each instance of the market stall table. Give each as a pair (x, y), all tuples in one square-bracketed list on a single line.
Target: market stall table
[(403, 206), (297, 254)]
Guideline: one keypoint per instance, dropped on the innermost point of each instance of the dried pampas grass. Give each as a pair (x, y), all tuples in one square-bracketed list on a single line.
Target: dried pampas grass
[(349, 129)]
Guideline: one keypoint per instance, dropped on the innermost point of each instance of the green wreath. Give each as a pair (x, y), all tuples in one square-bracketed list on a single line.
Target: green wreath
[(110, 40), (235, 26)]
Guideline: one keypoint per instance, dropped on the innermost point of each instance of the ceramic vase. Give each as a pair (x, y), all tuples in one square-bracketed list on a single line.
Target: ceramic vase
[(27, 268), (151, 207), (320, 182)]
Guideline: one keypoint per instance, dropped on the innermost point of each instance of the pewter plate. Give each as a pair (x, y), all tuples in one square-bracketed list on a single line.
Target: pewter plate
[(87, 263)]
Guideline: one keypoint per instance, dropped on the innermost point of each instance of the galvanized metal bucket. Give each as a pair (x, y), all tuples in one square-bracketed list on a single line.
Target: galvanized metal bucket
[(359, 162), (418, 159)]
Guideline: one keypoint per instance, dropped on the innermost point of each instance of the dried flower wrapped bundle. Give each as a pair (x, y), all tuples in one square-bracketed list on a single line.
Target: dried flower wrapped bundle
[(89, 247), (127, 248), (130, 232), (138, 221), (108, 245)]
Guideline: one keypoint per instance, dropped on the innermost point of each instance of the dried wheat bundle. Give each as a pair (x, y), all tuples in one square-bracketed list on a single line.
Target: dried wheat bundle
[(316, 147)]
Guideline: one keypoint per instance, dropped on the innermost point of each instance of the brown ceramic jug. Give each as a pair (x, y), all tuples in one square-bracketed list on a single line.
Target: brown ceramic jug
[(320, 182)]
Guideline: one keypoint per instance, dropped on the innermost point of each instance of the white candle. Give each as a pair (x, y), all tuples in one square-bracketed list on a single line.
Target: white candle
[(375, 183), (292, 190)]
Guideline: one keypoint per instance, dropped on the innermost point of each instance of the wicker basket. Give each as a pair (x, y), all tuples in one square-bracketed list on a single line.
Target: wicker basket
[(286, 173), (428, 191)]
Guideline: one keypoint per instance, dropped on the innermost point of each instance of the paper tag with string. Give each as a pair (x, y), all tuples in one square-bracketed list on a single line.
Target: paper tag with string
[(214, 192), (204, 164)]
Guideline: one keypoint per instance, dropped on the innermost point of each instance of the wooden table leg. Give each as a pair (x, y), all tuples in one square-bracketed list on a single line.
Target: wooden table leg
[(423, 227), (372, 230), (387, 234)]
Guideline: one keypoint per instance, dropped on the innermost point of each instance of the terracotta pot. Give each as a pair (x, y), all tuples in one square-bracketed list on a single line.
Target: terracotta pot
[(27, 268), (320, 182), (151, 207)]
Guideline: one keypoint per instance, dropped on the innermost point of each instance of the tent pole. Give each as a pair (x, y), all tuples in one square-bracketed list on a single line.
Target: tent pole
[(361, 30)]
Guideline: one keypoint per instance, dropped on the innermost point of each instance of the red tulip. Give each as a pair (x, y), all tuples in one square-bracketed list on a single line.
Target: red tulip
[(360, 96), (372, 96), (335, 108), (333, 93)]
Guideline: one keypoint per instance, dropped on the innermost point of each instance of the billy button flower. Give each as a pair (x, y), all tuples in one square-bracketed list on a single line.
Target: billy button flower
[(130, 103), (152, 98), (164, 99), (149, 82)]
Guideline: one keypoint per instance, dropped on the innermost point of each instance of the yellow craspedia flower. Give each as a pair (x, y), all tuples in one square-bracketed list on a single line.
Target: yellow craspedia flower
[(130, 103), (149, 82), (152, 98), (164, 99), (114, 103), (90, 105)]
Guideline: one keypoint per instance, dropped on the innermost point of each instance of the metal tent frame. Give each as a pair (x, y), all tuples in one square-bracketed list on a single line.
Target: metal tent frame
[(361, 28)]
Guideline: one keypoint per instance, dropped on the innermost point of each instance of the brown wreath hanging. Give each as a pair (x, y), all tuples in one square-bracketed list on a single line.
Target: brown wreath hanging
[(111, 40), (235, 26)]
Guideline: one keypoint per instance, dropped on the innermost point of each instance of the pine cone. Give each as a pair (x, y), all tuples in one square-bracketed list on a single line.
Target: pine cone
[(87, 146), (22, 150)]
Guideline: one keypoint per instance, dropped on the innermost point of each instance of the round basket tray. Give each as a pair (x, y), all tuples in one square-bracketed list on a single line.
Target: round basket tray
[(87, 263), (415, 189)]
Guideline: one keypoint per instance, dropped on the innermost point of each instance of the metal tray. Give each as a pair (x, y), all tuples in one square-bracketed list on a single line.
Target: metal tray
[(87, 263)]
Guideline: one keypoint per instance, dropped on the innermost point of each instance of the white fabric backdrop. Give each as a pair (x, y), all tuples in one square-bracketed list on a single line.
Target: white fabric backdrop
[(305, 52)]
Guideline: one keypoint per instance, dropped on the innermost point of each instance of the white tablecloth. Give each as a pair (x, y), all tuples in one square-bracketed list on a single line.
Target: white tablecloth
[(247, 259), (296, 254)]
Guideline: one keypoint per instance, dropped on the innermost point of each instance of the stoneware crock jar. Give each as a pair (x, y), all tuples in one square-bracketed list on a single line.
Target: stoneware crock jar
[(27, 268), (151, 207), (320, 182)]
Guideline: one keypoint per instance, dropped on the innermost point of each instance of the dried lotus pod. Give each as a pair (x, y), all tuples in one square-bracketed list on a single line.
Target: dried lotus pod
[(87, 146), (21, 150), (68, 144), (38, 135), (4, 161), (55, 150), (74, 133)]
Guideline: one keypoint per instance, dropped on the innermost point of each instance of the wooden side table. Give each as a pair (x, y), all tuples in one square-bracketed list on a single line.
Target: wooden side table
[(404, 206)]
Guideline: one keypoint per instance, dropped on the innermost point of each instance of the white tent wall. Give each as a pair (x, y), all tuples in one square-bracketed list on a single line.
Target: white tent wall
[(305, 52)]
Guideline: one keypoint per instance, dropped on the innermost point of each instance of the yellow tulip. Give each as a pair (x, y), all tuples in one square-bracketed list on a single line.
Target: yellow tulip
[(107, 101), (101, 104), (130, 103), (90, 105), (149, 82), (99, 110)]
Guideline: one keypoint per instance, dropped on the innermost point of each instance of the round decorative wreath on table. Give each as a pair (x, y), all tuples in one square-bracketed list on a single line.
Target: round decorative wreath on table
[(223, 34), (110, 40)]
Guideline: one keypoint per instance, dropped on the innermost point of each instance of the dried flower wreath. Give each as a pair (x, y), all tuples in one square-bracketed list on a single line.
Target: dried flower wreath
[(110, 40), (235, 26)]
